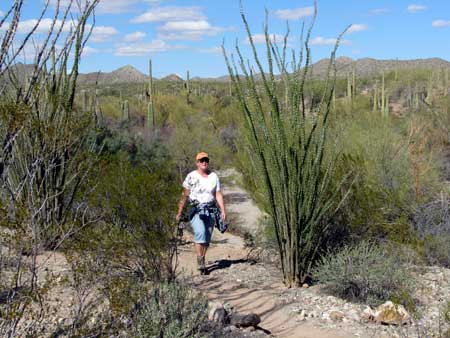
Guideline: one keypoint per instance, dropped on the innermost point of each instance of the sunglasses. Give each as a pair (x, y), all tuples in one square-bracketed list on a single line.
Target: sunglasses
[(204, 159)]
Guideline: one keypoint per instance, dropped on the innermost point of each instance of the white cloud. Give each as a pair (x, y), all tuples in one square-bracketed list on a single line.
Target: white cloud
[(99, 33), (321, 41), (142, 49), (153, 2), (171, 13), (379, 11), (357, 27), (133, 37), (87, 50), (416, 8), (104, 6), (188, 30), (294, 14), (44, 26), (440, 23), (213, 50), (115, 6), (103, 33), (261, 38), (2, 13)]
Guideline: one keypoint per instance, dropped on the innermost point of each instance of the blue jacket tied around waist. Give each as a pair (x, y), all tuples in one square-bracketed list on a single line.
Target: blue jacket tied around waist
[(205, 210)]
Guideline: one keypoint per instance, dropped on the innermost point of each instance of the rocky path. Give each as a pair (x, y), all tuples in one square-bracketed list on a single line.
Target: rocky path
[(248, 286)]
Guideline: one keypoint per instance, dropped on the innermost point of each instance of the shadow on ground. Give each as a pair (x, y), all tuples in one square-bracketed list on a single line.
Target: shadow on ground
[(226, 263)]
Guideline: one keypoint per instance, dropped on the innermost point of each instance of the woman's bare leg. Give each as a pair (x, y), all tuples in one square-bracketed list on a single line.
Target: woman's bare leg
[(200, 249)]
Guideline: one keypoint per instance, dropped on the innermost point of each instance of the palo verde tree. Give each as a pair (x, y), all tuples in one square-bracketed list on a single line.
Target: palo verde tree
[(287, 144)]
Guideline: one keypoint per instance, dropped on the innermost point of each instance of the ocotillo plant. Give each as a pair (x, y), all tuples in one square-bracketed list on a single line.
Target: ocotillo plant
[(45, 161), (287, 147)]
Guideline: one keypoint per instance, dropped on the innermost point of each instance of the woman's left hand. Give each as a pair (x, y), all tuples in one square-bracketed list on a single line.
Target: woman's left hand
[(224, 215)]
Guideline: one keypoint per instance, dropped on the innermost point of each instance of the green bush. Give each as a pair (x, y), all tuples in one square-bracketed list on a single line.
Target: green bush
[(431, 223), (390, 176), (137, 206), (364, 273), (170, 311)]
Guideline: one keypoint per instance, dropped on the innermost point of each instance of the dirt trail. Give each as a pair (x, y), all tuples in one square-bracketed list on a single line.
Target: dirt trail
[(226, 284)]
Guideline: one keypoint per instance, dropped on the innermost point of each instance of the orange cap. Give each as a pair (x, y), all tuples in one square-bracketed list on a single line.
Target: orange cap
[(201, 155)]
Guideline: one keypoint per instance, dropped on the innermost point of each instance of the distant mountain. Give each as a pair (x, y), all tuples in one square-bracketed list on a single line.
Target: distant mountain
[(368, 66), (363, 67), (22, 72), (173, 78), (126, 74)]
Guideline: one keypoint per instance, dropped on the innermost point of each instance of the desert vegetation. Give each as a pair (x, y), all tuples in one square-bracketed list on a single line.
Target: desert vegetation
[(350, 167)]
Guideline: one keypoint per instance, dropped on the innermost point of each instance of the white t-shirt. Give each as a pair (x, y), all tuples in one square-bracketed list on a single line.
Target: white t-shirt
[(202, 189)]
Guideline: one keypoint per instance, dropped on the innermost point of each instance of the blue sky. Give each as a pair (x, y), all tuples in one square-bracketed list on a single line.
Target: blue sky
[(182, 35)]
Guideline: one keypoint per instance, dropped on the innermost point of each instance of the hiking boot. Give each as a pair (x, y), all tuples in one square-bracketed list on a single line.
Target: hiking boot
[(201, 264)]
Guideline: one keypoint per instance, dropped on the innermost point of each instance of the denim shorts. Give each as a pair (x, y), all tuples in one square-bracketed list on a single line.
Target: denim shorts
[(203, 228)]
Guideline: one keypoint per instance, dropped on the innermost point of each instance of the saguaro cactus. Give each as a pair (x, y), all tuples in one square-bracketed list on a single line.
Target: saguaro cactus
[(150, 115), (151, 94), (349, 88), (429, 98), (416, 96), (188, 88), (375, 96), (85, 99), (125, 110), (353, 81), (383, 95)]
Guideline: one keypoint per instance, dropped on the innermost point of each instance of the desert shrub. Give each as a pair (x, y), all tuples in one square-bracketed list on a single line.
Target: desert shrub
[(432, 225), (170, 310), (137, 205), (391, 174), (149, 150), (364, 273)]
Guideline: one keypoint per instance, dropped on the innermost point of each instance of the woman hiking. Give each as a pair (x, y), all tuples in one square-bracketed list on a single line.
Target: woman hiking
[(202, 187)]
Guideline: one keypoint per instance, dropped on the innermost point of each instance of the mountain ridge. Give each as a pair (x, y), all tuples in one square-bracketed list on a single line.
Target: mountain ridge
[(344, 65)]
